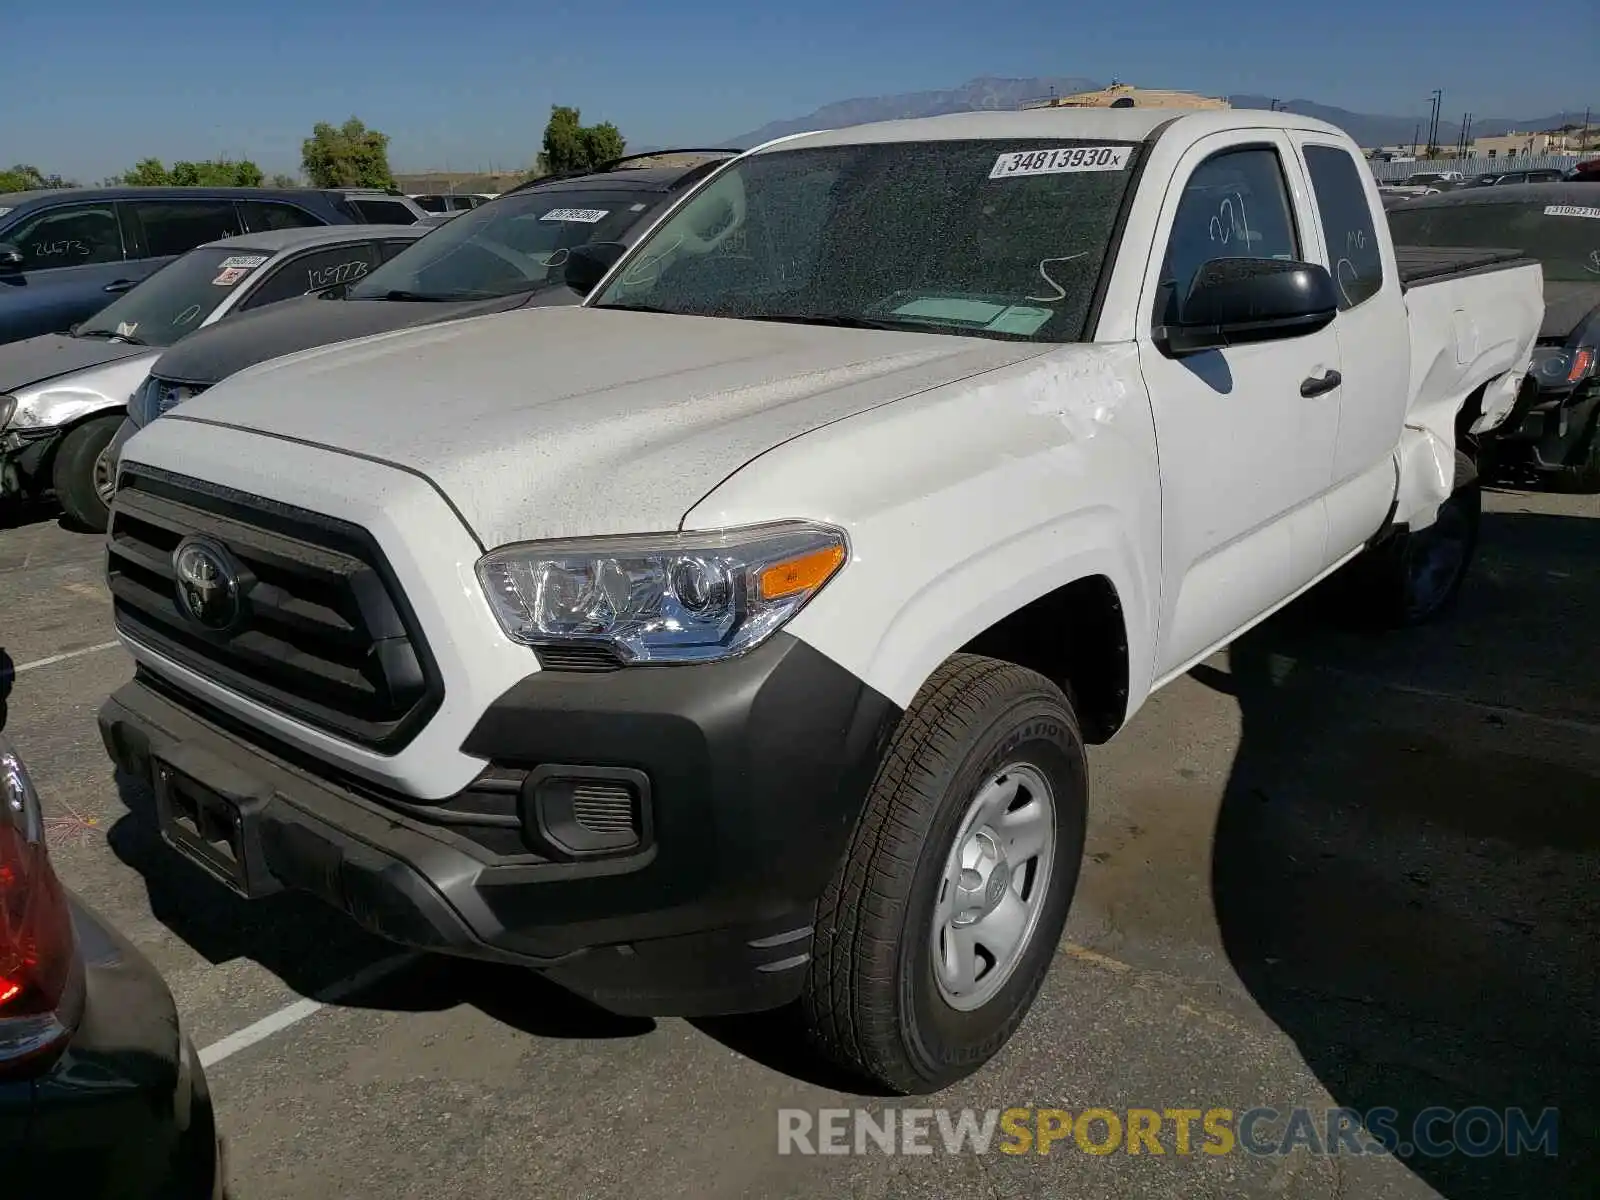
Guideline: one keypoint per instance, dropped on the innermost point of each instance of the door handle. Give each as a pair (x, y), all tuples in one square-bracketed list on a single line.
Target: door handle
[(1317, 385), (121, 285)]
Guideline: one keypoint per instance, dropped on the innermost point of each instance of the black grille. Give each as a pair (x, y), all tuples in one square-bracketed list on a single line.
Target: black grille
[(325, 635), (578, 658)]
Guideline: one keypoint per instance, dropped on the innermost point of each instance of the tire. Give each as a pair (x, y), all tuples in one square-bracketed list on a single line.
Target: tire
[(1413, 578), (874, 1001), (75, 471)]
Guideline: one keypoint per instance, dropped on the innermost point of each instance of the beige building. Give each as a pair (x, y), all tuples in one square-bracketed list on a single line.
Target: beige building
[(1522, 145), (1125, 95)]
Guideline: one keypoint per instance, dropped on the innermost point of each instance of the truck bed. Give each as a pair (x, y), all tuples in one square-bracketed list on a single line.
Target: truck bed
[(1429, 264)]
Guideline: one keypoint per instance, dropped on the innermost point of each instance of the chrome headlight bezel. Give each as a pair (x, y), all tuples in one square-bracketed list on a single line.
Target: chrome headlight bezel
[(8, 409), (687, 597)]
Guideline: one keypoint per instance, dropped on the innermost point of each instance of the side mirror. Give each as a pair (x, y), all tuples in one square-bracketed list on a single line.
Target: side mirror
[(1236, 300), (587, 265), (10, 257)]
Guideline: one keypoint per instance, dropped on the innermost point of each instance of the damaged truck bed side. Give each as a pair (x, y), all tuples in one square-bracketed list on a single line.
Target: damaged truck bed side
[(733, 638)]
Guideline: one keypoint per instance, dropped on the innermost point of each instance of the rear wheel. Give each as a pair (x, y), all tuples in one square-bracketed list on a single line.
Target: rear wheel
[(935, 935), (83, 476), (1415, 576)]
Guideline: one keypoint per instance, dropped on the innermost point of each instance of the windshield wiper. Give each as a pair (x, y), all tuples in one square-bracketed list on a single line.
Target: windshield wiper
[(841, 322), (109, 335), (424, 297)]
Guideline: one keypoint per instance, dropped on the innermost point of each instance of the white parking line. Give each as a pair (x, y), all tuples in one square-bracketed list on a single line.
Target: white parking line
[(293, 1014), (55, 658)]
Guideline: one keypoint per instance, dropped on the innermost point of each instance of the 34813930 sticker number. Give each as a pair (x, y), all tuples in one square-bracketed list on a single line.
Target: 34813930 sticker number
[(1061, 161)]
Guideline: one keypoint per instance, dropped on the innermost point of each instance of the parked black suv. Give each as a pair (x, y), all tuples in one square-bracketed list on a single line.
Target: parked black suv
[(508, 253), (67, 253)]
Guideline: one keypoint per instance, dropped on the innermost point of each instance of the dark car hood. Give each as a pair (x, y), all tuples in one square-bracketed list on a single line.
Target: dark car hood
[(36, 359), (1567, 306), (211, 355)]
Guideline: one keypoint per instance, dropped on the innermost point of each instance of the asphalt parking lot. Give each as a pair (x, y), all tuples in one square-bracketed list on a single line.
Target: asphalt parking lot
[(1325, 869)]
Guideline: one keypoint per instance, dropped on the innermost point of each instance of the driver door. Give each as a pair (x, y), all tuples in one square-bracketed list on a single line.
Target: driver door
[(1246, 453)]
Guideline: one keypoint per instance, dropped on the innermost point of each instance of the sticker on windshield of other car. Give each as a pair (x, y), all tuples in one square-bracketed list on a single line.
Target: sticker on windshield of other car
[(583, 216), (230, 277), (248, 261), (1571, 210), (1060, 162)]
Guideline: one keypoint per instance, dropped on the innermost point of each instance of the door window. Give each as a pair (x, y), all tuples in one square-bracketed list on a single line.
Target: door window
[(69, 236), (1235, 205), (313, 272), (1346, 224), (262, 215), (178, 226), (384, 212)]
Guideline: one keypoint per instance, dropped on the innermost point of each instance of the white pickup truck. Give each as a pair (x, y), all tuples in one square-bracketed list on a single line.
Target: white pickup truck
[(732, 639)]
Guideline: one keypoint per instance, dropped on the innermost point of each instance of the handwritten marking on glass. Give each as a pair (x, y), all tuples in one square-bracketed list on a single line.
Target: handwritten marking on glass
[(1061, 161), (1061, 292), (321, 277), (1344, 271), (1231, 221), (186, 315), (63, 248)]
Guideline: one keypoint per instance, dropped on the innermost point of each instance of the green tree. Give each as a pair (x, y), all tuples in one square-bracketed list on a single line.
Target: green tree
[(348, 156), (569, 145), (280, 180), (219, 172), (26, 178), (147, 172)]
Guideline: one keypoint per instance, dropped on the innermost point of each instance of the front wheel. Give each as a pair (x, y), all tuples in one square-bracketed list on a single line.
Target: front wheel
[(83, 475), (935, 935)]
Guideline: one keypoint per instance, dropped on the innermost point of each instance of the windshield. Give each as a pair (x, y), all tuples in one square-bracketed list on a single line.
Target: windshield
[(518, 243), (1565, 238), (986, 238), (178, 298)]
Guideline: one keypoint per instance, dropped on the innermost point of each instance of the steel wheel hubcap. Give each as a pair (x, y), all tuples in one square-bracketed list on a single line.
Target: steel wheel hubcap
[(105, 479), (993, 887)]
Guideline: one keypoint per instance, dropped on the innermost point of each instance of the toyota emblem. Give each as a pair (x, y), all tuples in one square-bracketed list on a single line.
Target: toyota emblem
[(208, 584)]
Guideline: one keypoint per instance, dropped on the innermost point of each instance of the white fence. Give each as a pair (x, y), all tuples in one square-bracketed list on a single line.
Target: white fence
[(1393, 172)]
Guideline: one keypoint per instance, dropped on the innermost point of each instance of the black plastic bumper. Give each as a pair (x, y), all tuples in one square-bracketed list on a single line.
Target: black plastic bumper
[(124, 1112), (756, 771)]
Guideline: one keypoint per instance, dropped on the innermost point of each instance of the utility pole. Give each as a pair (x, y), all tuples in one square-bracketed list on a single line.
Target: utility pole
[(1584, 144), (1465, 140), (1433, 122), (1415, 133)]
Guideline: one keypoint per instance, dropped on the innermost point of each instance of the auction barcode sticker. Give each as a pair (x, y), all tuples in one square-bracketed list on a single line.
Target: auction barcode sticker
[(1059, 162), (1571, 210), (248, 261), (585, 216)]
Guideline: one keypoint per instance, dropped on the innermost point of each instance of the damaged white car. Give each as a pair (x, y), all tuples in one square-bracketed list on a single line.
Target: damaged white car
[(733, 638)]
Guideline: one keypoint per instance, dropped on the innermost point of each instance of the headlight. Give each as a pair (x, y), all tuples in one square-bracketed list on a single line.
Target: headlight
[(662, 598), (157, 396), (8, 406)]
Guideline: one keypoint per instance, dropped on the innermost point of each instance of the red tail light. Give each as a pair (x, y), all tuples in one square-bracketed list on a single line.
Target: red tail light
[(41, 977)]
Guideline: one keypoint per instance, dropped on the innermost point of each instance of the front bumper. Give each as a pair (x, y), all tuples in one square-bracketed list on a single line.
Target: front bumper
[(752, 774), (120, 439), (25, 456), (125, 1111), (1554, 427)]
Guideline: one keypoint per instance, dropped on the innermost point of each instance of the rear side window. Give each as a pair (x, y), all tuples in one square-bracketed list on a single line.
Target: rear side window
[(1235, 205), (1346, 224), (387, 250), (178, 226), (72, 235), (314, 271), (261, 215), (384, 212)]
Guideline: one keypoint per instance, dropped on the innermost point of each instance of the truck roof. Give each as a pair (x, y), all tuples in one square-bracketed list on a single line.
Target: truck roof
[(1110, 124)]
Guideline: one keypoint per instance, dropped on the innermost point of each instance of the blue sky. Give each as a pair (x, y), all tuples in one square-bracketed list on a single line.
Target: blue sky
[(89, 88)]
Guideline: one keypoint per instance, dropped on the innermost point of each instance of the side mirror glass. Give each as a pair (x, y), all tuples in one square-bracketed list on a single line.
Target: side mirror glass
[(1232, 301), (10, 257), (587, 265)]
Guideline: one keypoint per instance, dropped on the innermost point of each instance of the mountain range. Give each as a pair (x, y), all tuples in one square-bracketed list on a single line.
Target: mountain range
[(989, 92)]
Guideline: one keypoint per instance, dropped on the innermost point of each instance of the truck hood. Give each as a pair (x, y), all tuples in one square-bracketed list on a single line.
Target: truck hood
[(36, 359), (565, 422), (210, 355)]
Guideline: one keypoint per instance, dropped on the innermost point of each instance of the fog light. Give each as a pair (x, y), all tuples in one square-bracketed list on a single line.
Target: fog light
[(586, 812)]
